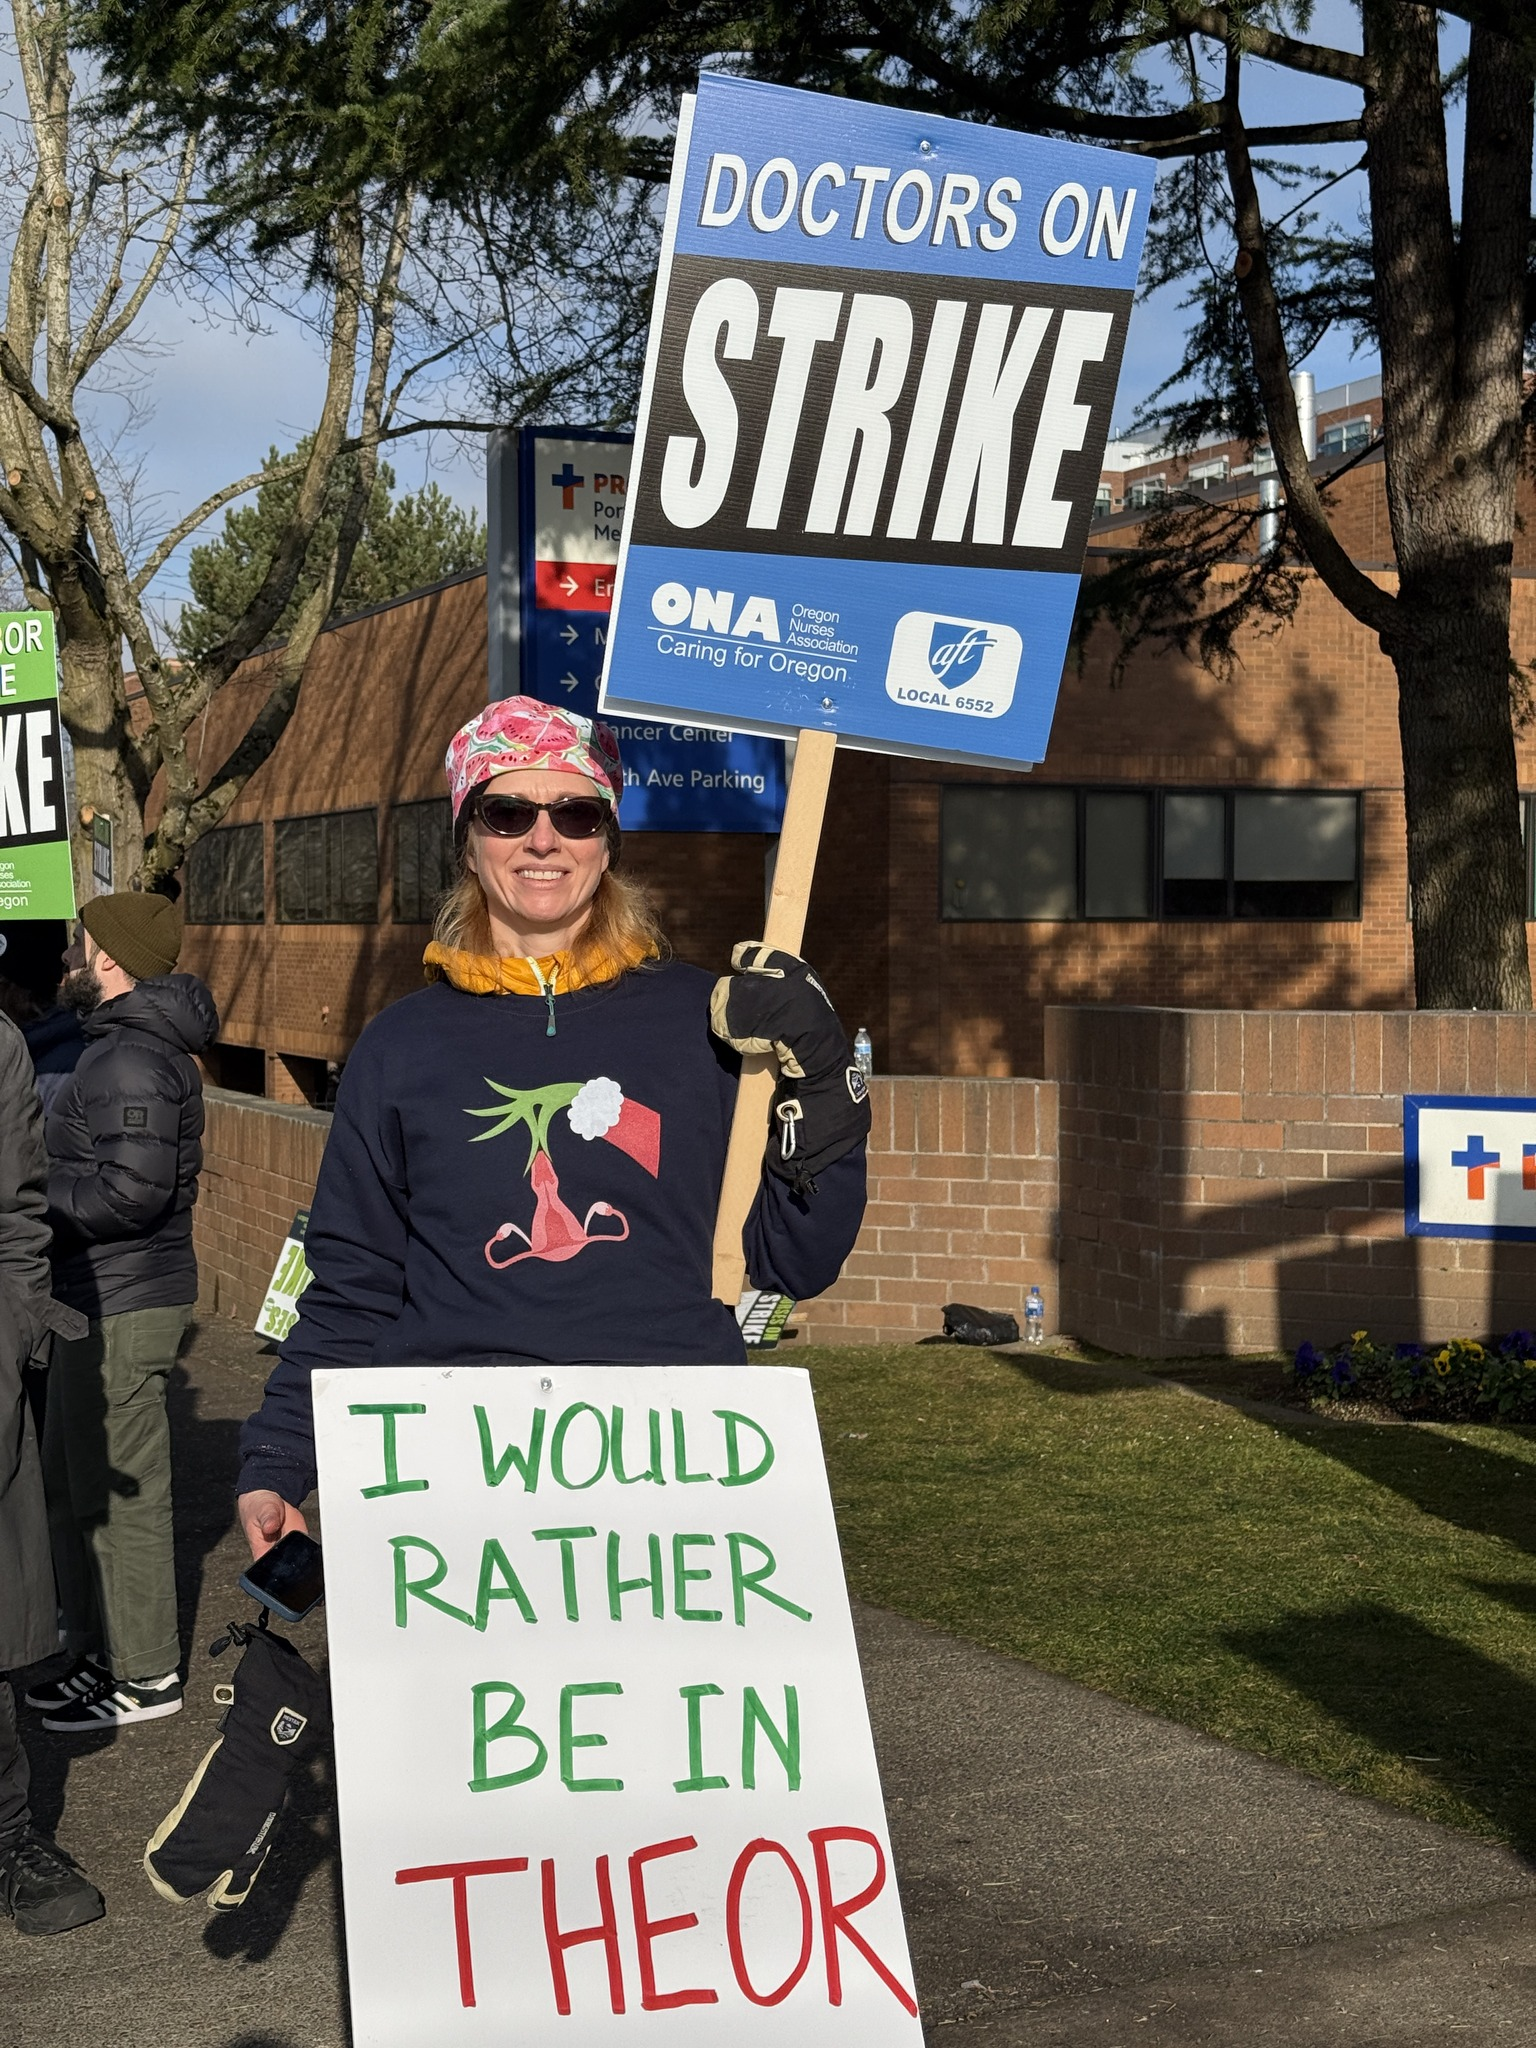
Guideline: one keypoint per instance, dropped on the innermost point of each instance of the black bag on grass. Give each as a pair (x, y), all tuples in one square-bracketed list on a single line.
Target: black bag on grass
[(965, 1325), (219, 1833)]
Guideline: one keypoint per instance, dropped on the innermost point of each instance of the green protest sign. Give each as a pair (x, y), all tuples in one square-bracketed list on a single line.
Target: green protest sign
[(36, 877), (290, 1276)]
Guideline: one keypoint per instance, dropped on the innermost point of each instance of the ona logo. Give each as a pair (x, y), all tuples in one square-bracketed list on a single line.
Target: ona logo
[(288, 1724), (714, 611), (969, 666)]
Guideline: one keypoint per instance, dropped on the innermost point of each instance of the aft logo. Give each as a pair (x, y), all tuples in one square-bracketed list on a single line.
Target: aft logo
[(969, 666), (953, 656)]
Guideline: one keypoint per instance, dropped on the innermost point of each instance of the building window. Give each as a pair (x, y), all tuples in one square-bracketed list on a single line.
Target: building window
[(1260, 853), (328, 868), (1046, 853), (1103, 502), (1216, 472), (1056, 854), (226, 878), (1147, 494), (1343, 437), (423, 859), (1295, 854), (242, 1068), (1117, 853), (1194, 854), (1010, 853)]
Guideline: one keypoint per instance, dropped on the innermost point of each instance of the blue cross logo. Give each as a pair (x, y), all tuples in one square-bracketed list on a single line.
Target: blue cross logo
[(1476, 1159), (568, 483)]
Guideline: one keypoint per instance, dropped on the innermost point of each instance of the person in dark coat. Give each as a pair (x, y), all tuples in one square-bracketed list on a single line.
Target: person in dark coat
[(32, 963), (40, 1889), (600, 1079), (125, 1150)]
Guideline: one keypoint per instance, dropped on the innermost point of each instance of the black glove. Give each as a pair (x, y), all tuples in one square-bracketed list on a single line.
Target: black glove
[(220, 1830), (773, 1003)]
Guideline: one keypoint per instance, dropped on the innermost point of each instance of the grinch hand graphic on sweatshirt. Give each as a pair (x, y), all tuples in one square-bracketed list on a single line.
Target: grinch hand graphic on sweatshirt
[(491, 1193)]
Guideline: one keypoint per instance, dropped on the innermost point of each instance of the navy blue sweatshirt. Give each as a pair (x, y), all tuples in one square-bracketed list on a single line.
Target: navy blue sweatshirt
[(491, 1194)]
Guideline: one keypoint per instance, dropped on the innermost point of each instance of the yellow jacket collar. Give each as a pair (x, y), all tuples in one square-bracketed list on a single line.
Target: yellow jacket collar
[(492, 974)]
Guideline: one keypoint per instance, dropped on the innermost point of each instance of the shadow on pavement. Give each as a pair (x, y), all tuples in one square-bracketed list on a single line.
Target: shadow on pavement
[(1411, 1693), (205, 1460)]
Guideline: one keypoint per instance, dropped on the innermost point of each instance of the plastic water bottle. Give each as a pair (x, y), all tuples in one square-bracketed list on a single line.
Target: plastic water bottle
[(1034, 1317), (863, 1052)]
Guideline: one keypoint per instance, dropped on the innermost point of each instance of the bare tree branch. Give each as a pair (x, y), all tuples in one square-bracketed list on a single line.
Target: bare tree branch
[(183, 528), (1249, 39), (97, 339), (15, 372), (1298, 135)]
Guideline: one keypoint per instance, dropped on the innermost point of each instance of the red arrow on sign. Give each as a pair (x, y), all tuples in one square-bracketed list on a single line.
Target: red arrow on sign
[(573, 586)]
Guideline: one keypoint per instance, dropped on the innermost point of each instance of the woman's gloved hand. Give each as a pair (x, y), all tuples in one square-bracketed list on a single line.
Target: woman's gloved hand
[(773, 1003)]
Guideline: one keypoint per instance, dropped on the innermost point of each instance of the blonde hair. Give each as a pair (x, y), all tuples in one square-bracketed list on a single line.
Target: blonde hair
[(622, 924)]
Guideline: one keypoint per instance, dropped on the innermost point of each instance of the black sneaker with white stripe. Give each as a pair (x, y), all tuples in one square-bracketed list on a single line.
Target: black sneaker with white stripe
[(117, 1703), (83, 1676)]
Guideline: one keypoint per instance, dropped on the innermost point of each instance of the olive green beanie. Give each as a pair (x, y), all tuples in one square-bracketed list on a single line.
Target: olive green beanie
[(141, 933)]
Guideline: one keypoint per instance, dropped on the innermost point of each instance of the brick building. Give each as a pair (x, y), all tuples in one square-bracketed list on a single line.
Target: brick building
[(1139, 475), (1187, 841)]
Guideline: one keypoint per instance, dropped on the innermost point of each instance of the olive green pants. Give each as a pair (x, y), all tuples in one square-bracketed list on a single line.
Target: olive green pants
[(107, 1469)]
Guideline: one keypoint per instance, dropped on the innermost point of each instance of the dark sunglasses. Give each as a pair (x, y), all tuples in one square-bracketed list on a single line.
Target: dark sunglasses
[(573, 817)]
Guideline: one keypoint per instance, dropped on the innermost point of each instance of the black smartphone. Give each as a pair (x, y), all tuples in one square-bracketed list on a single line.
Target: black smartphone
[(290, 1579)]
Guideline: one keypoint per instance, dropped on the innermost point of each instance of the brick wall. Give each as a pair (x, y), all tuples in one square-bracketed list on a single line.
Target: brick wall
[(962, 1206), (1184, 1181), (1233, 1181), (260, 1160), (962, 1199)]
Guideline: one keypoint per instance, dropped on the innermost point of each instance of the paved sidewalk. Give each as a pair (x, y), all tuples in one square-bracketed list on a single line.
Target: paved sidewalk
[(1074, 1871)]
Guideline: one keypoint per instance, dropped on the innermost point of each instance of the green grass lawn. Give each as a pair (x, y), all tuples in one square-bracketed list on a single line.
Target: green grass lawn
[(1354, 1599)]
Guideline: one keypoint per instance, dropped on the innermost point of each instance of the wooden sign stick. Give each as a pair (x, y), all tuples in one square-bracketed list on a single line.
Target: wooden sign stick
[(785, 930)]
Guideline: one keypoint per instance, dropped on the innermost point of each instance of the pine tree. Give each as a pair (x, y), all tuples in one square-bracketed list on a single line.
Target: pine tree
[(406, 543)]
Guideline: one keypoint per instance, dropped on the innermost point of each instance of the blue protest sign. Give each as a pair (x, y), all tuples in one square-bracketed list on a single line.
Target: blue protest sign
[(679, 776), (879, 384)]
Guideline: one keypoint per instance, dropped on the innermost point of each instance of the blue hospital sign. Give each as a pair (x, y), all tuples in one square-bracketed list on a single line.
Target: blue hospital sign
[(878, 389), (1470, 1165), (679, 776)]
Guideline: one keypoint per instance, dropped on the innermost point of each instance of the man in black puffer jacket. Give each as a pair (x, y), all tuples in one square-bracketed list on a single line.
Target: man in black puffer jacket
[(125, 1149)]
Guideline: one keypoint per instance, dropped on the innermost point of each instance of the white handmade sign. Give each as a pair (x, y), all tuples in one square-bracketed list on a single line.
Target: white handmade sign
[(604, 1766)]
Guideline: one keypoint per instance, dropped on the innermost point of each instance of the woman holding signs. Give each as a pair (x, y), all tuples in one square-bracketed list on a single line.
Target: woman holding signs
[(527, 1154)]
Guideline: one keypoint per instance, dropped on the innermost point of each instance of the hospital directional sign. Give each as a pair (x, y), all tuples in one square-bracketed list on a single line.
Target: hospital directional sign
[(879, 384), (1469, 1166), (679, 776)]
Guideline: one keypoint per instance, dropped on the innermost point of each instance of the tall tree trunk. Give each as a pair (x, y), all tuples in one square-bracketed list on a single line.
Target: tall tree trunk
[(1451, 319), (94, 711)]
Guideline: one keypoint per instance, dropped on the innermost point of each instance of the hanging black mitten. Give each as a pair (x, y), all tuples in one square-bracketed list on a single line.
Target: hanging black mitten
[(774, 1004), (220, 1831)]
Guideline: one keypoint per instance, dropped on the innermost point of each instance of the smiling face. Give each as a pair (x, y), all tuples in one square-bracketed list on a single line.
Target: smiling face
[(538, 889)]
